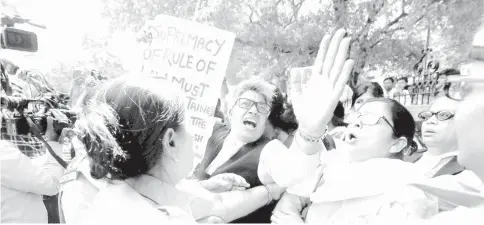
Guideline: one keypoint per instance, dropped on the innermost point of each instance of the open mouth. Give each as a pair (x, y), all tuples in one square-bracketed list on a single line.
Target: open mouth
[(250, 123)]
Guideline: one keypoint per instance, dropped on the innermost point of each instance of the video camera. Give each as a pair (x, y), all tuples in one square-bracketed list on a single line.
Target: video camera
[(37, 110), (17, 39)]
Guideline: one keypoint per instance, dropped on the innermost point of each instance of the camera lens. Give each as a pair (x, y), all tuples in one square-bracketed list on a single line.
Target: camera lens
[(9, 103)]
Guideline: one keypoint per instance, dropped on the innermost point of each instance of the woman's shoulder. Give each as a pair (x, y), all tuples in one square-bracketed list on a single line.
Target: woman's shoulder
[(118, 202)]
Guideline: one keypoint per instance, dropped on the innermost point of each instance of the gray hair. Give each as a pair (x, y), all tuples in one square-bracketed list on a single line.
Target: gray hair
[(264, 88)]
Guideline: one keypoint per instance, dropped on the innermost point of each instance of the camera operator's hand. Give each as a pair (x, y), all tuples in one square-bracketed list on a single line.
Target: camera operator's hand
[(52, 138), (1, 119), (50, 134)]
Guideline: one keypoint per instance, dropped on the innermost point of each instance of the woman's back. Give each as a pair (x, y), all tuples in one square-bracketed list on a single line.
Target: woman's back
[(121, 203)]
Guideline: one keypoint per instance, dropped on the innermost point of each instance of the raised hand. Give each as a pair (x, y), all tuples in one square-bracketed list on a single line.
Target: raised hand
[(314, 105)]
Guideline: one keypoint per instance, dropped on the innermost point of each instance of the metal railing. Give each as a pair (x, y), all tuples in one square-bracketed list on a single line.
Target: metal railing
[(421, 91)]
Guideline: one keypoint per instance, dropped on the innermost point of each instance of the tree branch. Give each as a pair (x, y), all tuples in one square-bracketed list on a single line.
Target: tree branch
[(370, 20), (419, 19), (252, 12), (276, 5), (396, 20), (376, 43), (295, 12)]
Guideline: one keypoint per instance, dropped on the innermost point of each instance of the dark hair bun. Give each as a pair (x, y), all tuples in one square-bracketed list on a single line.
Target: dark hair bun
[(411, 148), (282, 114)]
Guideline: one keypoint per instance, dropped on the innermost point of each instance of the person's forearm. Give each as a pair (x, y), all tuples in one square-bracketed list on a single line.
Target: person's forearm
[(291, 204), (306, 147), (54, 168), (55, 172), (25, 175), (236, 204), (286, 167)]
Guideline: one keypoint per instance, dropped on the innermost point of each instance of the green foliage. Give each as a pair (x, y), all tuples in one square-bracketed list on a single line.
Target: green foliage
[(274, 35)]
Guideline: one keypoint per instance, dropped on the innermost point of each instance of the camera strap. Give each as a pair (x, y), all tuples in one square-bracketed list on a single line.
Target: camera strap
[(36, 132)]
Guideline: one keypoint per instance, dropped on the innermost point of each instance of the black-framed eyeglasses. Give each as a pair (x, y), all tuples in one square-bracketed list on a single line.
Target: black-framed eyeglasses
[(245, 103), (372, 120), (440, 115)]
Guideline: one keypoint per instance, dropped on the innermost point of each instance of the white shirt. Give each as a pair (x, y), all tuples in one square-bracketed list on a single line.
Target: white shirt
[(469, 182), (363, 192), (404, 98), (79, 191), (463, 189), (24, 181), (119, 202), (277, 163), (428, 162), (388, 94)]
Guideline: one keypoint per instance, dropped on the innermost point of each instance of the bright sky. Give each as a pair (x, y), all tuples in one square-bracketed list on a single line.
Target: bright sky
[(67, 22)]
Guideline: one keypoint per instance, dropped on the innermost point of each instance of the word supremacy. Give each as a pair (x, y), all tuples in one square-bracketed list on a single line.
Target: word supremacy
[(173, 36)]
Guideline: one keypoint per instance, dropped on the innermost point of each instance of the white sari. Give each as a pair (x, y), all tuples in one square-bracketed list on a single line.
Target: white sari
[(376, 190)]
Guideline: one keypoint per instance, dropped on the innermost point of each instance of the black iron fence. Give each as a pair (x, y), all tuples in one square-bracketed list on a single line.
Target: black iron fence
[(420, 91)]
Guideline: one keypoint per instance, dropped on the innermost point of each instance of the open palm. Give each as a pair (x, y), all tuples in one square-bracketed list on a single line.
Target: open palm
[(314, 104)]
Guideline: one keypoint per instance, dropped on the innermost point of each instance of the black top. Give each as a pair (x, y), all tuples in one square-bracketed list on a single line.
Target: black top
[(244, 163)]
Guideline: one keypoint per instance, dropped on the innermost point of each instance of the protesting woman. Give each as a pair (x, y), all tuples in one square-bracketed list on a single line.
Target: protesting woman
[(137, 142), (367, 181), (242, 149)]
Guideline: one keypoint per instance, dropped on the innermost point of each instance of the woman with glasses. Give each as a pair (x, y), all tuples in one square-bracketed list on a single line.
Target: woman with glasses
[(269, 166), (237, 149), (365, 182), (468, 89), (438, 133)]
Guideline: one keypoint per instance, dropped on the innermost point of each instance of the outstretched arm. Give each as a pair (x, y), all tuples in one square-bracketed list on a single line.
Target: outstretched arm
[(288, 166), (21, 173), (289, 208)]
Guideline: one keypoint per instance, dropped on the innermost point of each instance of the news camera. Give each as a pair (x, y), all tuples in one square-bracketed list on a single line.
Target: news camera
[(38, 110), (17, 39)]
